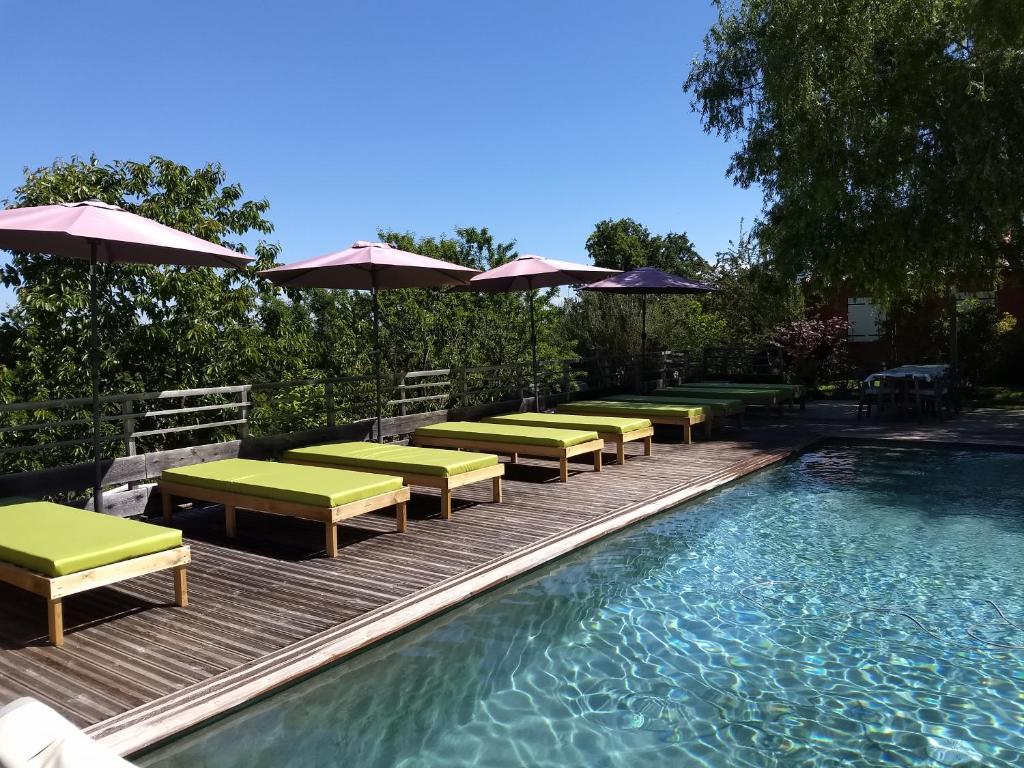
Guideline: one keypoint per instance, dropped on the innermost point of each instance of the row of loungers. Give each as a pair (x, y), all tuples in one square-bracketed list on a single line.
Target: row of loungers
[(56, 551)]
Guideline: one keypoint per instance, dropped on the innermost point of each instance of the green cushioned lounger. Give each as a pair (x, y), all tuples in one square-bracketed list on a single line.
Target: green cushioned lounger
[(657, 412), (617, 430), (612, 424), (283, 482), (748, 396), (542, 436), (796, 390), (55, 550), (404, 458), (56, 540), (514, 440), (431, 467), (719, 406), (324, 495)]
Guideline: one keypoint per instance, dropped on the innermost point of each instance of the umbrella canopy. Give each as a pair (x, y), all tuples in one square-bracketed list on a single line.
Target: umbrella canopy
[(365, 266), (369, 266), (649, 280), (644, 281), (527, 273), (74, 230), (105, 234)]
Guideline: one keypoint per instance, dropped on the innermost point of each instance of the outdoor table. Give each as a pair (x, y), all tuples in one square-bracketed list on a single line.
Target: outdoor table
[(903, 381), (928, 373)]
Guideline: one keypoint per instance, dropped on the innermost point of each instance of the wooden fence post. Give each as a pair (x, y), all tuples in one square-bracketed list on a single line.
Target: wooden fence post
[(128, 430), (329, 402), (243, 413)]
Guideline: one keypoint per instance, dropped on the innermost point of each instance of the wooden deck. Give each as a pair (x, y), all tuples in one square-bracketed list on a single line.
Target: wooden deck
[(268, 607)]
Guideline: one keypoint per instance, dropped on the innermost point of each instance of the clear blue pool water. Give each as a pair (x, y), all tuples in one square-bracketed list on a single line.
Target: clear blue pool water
[(856, 606)]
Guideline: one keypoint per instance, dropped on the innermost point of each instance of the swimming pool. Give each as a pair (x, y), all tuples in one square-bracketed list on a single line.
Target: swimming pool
[(855, 606)]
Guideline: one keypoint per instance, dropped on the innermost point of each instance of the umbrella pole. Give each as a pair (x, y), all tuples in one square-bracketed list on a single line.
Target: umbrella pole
[(94, 365), (533, 349), (376, 358), (643, 338)]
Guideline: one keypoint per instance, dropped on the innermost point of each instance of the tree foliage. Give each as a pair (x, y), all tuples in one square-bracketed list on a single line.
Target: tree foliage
[(173, 328), (753, 300), (625, 244), (886, 136)]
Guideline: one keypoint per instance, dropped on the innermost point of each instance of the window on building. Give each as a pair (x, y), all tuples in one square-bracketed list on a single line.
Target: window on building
[(865, 319)]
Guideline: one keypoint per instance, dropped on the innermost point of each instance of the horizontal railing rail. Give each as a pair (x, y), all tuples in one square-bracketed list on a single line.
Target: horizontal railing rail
[(55, 432)]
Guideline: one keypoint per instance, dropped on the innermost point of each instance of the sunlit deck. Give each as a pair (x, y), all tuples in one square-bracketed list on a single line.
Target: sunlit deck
[(268, 607)]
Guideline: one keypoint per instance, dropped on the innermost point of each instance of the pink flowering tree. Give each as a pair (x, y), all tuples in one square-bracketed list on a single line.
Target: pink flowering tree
[(813, 347)]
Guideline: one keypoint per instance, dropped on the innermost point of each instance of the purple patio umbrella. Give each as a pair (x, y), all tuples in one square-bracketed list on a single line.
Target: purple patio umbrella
[(528, 273), (105, 234), (645, 281), (368, 266)]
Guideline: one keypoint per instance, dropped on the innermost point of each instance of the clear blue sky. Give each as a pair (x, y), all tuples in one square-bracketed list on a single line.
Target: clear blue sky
[(534, 118)]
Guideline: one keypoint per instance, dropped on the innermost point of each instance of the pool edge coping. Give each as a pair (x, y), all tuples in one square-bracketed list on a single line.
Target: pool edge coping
[(143, 727)]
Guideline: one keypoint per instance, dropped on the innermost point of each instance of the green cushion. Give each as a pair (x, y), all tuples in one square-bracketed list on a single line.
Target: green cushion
[(315, 486), (56, 540), (617, 425), (508, 433), (648, 409), (437, 462), (748, 396), (789, 389), (719, 406)]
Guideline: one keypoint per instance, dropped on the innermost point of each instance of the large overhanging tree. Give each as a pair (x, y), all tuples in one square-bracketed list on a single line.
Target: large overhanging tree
[(887, 135)]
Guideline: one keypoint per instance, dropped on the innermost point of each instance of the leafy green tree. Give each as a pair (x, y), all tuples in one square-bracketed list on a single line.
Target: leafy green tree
[(754, 299), (885, 135), (163, 327), (625, 244), (610, 325), (425, 329)]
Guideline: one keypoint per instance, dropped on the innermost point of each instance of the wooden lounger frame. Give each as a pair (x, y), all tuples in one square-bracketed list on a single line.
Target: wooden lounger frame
[(329, 516), (445, 484), (619, 440), (686, 422), (515, 450), (56, 588)]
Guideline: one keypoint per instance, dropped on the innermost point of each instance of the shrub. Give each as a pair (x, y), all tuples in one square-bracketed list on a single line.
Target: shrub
[(814, 347)]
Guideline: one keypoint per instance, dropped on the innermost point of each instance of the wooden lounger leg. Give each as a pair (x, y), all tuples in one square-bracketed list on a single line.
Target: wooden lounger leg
[(597, 461), (496, 489), (687, 434), (402, 518), (167, 505), (331, 531), (648, 445), (563, 469), (180, 587), (230, 525), (513, 458), (446, 503), (620, 452), (55, 620)]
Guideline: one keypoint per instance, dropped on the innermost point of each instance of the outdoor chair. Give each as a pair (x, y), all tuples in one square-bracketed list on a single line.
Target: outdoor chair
[(513, 440), (55, 551), (326, 496), (438, 468), (614, 430)]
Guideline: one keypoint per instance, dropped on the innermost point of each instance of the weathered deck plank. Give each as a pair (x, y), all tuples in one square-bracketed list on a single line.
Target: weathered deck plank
[(270, 588)]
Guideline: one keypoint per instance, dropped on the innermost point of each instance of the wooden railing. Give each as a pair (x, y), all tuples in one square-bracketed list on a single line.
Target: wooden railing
[(42, 434)]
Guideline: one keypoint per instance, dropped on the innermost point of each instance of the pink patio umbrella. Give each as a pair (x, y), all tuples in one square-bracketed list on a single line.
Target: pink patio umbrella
[(528, 273), (645, 281), (105, 234), (368, 266)]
